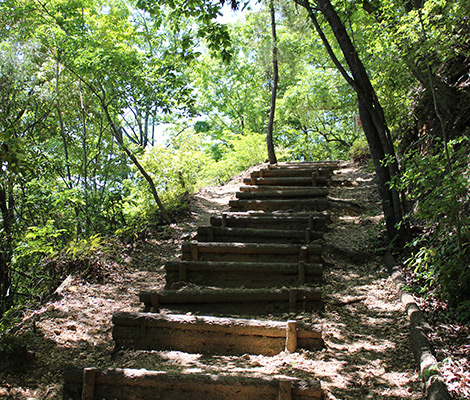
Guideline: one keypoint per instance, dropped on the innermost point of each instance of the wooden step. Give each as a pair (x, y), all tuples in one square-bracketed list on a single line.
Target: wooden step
[(325, 172), (259, 188), (285, 221), (212, 335), (269, 205), (287, 181), (250, 252), (310, 192), (235, 301), (242, 274), (141, 384), (255, 235), (304, 164)]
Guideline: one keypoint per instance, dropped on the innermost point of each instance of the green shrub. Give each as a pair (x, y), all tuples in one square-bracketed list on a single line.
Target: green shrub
[(438, 191), (359, 151), (243, 151)]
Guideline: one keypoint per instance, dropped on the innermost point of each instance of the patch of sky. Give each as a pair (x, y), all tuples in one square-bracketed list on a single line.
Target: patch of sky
[(230, 16)]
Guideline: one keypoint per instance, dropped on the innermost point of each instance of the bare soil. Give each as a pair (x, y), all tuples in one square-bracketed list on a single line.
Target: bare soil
[(367, 353)]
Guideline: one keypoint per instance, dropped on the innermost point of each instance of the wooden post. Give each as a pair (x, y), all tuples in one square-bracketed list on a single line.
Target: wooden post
[(291, 336), (224, 220), (154, 300), (301, 273), (303, 253), (315, 178), (292, 300), (88, 389), (285, 390), (194, 251), (310, 222), (183, 272), (143, 329), (252, 180), (308, 235), (260, 173), (211, 234)]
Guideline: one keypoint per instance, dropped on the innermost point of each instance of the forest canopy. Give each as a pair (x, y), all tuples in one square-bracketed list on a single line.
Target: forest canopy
[(113, 113)]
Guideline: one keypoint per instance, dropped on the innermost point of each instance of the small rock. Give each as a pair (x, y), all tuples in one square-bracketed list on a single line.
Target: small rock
[(57, 331), (246, 356), (50, 308), (255, 364), (72, 327)]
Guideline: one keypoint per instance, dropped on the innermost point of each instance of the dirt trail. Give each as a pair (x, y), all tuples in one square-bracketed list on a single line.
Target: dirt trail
[(367, 354)]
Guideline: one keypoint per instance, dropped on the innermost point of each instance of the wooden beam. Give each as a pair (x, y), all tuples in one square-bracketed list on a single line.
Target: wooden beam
[(141, 384), (218, 296), (285, 221), (301, 204), (256, 235), (285, 181), (204, 334), (291, 172), (283, 193), (248, 248), (232, 274)]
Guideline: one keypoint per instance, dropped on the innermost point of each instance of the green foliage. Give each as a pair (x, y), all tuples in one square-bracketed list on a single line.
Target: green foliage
[(359, 151), (36, 243), (187, 165), (243, 151), (441, 199), (79, 250)]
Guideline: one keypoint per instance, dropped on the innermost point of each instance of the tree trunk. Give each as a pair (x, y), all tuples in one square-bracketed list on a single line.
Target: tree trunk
[(269, 133), (372, 117), (118, 136), (6, 207)]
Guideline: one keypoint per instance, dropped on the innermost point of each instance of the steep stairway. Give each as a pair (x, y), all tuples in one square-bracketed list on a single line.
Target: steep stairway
[(262, 258)]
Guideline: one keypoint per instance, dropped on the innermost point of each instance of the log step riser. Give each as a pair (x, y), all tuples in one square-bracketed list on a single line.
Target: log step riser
[(297, 181), (125, 384), (281, 194), (250, 235), (324, 173), (239, 301), (212, 335), (270, 205), (271, 221)]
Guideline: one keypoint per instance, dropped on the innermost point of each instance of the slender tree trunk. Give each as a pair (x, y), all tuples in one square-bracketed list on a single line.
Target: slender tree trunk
[(85, 153), (6, 207), (64, 142), (118, 136), (269, 133), (372, 117), (61, 123)]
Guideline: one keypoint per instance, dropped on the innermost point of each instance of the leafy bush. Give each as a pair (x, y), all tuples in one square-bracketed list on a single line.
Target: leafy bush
[(176, 171), (359, 151), (243, 151), (32, 275), (188, 165), (438, 190)]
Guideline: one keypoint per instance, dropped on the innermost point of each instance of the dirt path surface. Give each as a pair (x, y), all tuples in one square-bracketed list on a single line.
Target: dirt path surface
[(367, 353)]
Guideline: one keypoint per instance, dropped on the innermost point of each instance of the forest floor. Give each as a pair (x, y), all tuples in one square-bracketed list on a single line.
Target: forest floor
[(367, 353)]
